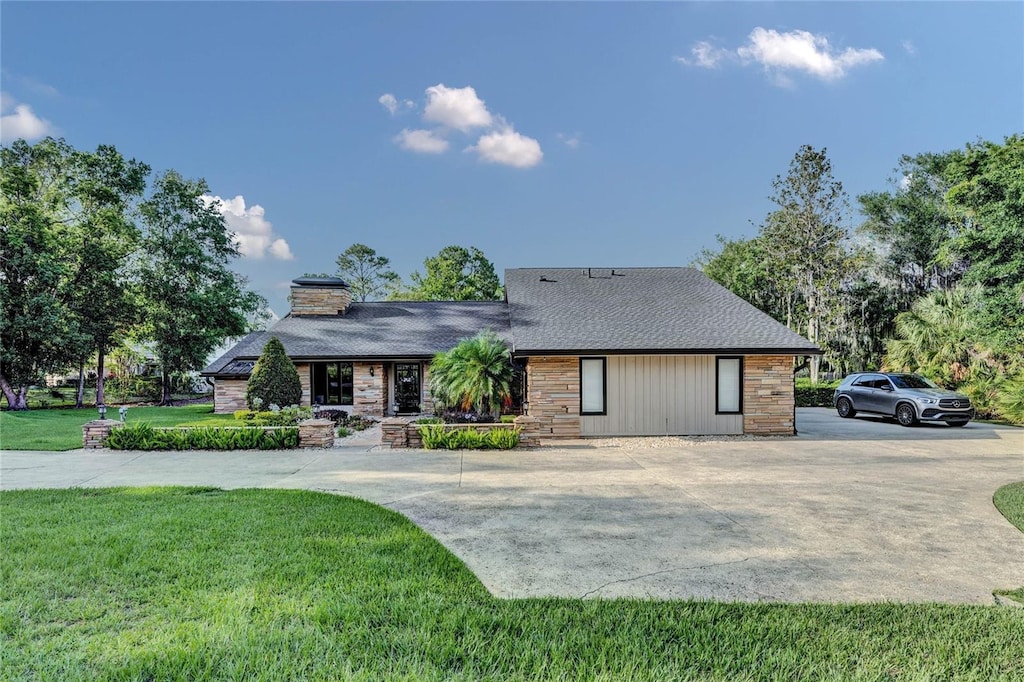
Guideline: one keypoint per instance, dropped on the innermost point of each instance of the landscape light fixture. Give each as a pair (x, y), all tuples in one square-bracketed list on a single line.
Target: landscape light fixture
[(102, 410)]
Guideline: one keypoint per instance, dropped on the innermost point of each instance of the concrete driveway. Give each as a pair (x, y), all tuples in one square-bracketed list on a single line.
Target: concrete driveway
[(849, 510)]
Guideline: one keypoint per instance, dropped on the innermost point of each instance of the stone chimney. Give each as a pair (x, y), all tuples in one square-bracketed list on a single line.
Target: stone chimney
[(319, 296)]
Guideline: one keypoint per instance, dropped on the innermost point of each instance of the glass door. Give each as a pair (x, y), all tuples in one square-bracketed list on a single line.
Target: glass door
[(407, 387)]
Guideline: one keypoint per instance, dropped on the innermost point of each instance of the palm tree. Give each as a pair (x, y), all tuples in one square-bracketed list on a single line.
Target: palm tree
[(937, 336), (475, 374)]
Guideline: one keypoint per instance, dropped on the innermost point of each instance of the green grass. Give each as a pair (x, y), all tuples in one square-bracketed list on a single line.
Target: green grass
[(198, 583), (1009, 500), (62, 429)]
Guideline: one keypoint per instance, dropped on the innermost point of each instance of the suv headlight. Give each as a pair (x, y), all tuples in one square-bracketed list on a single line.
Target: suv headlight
[(926, 401)]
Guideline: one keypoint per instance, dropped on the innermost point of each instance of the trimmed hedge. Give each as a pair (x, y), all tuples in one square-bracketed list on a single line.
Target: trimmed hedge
[(274, 379), (814, 396), (439, 437), (143, 436)]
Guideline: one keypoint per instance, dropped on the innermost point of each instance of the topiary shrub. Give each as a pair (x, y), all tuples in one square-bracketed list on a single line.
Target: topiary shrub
[(274, 379)]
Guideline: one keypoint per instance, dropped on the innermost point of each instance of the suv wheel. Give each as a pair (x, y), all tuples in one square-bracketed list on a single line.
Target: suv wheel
[(845, 408), (905, 414)]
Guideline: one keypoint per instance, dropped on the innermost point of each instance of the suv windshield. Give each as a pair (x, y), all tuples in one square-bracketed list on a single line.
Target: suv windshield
[(911, 381)]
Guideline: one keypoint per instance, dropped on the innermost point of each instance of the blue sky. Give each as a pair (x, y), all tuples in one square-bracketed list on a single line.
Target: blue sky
[(544, 134)]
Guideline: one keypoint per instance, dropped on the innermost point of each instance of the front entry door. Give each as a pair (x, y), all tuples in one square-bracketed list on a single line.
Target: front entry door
[(407, 386)]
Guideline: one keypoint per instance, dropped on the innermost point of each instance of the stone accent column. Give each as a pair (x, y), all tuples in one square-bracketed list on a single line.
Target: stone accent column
[(229, 395), (529, 431), (316, 433), (393, 432), (768, 395), (553, 392), (368, 391), (94, 433), (305, 378), (427, 399)]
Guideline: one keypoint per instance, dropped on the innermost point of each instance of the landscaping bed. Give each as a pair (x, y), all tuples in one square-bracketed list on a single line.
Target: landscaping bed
[(200, 583)]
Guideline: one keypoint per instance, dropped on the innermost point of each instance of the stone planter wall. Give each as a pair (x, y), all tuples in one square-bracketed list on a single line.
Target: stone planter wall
[(403, 432), (94, 433), (316, 433)]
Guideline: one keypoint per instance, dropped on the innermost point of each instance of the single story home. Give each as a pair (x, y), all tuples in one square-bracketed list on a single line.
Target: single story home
[(607, 352)]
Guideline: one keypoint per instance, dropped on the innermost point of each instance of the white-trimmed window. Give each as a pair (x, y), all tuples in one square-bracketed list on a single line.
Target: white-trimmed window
[(592, 386), (729, 386)]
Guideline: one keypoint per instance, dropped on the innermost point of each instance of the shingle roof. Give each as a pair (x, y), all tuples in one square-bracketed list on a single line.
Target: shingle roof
[(637, 310), (388, 329)]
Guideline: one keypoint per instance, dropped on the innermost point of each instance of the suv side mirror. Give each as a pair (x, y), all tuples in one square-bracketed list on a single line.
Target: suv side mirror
[(885, 386)]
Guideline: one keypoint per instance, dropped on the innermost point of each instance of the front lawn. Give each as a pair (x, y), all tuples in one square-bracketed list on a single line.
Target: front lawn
[(1009, 500), (199, 583), (62, 429)]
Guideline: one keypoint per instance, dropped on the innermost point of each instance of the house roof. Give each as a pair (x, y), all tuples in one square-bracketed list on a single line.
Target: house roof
[(637, 310), (380, 330)]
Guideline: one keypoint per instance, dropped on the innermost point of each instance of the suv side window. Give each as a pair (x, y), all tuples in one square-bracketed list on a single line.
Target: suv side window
[(882, 383), (867, 381)]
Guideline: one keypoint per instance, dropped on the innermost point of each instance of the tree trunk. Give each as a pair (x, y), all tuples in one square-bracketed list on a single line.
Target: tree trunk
[(812, 334), (165, 388), (80, 388), (100, 395), (15, 399)]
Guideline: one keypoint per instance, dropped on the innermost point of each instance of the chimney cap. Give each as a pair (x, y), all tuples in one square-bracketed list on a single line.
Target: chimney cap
[(323, 282)]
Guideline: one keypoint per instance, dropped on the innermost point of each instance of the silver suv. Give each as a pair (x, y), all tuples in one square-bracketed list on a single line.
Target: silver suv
[(908, 397)]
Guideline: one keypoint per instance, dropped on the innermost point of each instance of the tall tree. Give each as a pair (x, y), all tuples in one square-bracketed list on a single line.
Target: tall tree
[(805, 241), (457, 274), (368, 275), (36, 328), (911, 224), (98, 239), (741, 266), (986, 198), (193, 300)]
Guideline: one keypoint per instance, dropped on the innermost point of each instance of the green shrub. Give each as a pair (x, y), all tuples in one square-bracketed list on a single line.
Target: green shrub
[(286, 416), (814, 396), (343, 431), (274, 379), (435, 437), (502, 439), (508, 419), (429, 420), (438, 437), (142, 436)]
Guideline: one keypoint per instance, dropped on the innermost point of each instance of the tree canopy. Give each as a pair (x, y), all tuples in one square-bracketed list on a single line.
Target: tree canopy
[(368, 275), (456, 274)]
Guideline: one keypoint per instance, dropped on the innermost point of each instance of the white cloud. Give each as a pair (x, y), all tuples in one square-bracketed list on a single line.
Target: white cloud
[(422, 141), (705, 55), (909, 48), (389, 102), (458, 108), (253, 232), (786, 52), (571, 141), (508, 148), (18, 121)]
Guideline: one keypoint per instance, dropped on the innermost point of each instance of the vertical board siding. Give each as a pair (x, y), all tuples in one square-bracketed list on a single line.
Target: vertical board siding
[(651, 395)]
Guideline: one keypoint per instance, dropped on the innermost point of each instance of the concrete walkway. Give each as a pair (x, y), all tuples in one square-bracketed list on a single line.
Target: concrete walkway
[(850, 510)]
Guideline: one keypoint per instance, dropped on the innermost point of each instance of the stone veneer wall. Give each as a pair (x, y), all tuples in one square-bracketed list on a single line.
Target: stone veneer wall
[(310, 300), (427, 398), (229, 395), (768, 395), (403, 432), (305, 371), (553, 393), (368, 391)]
